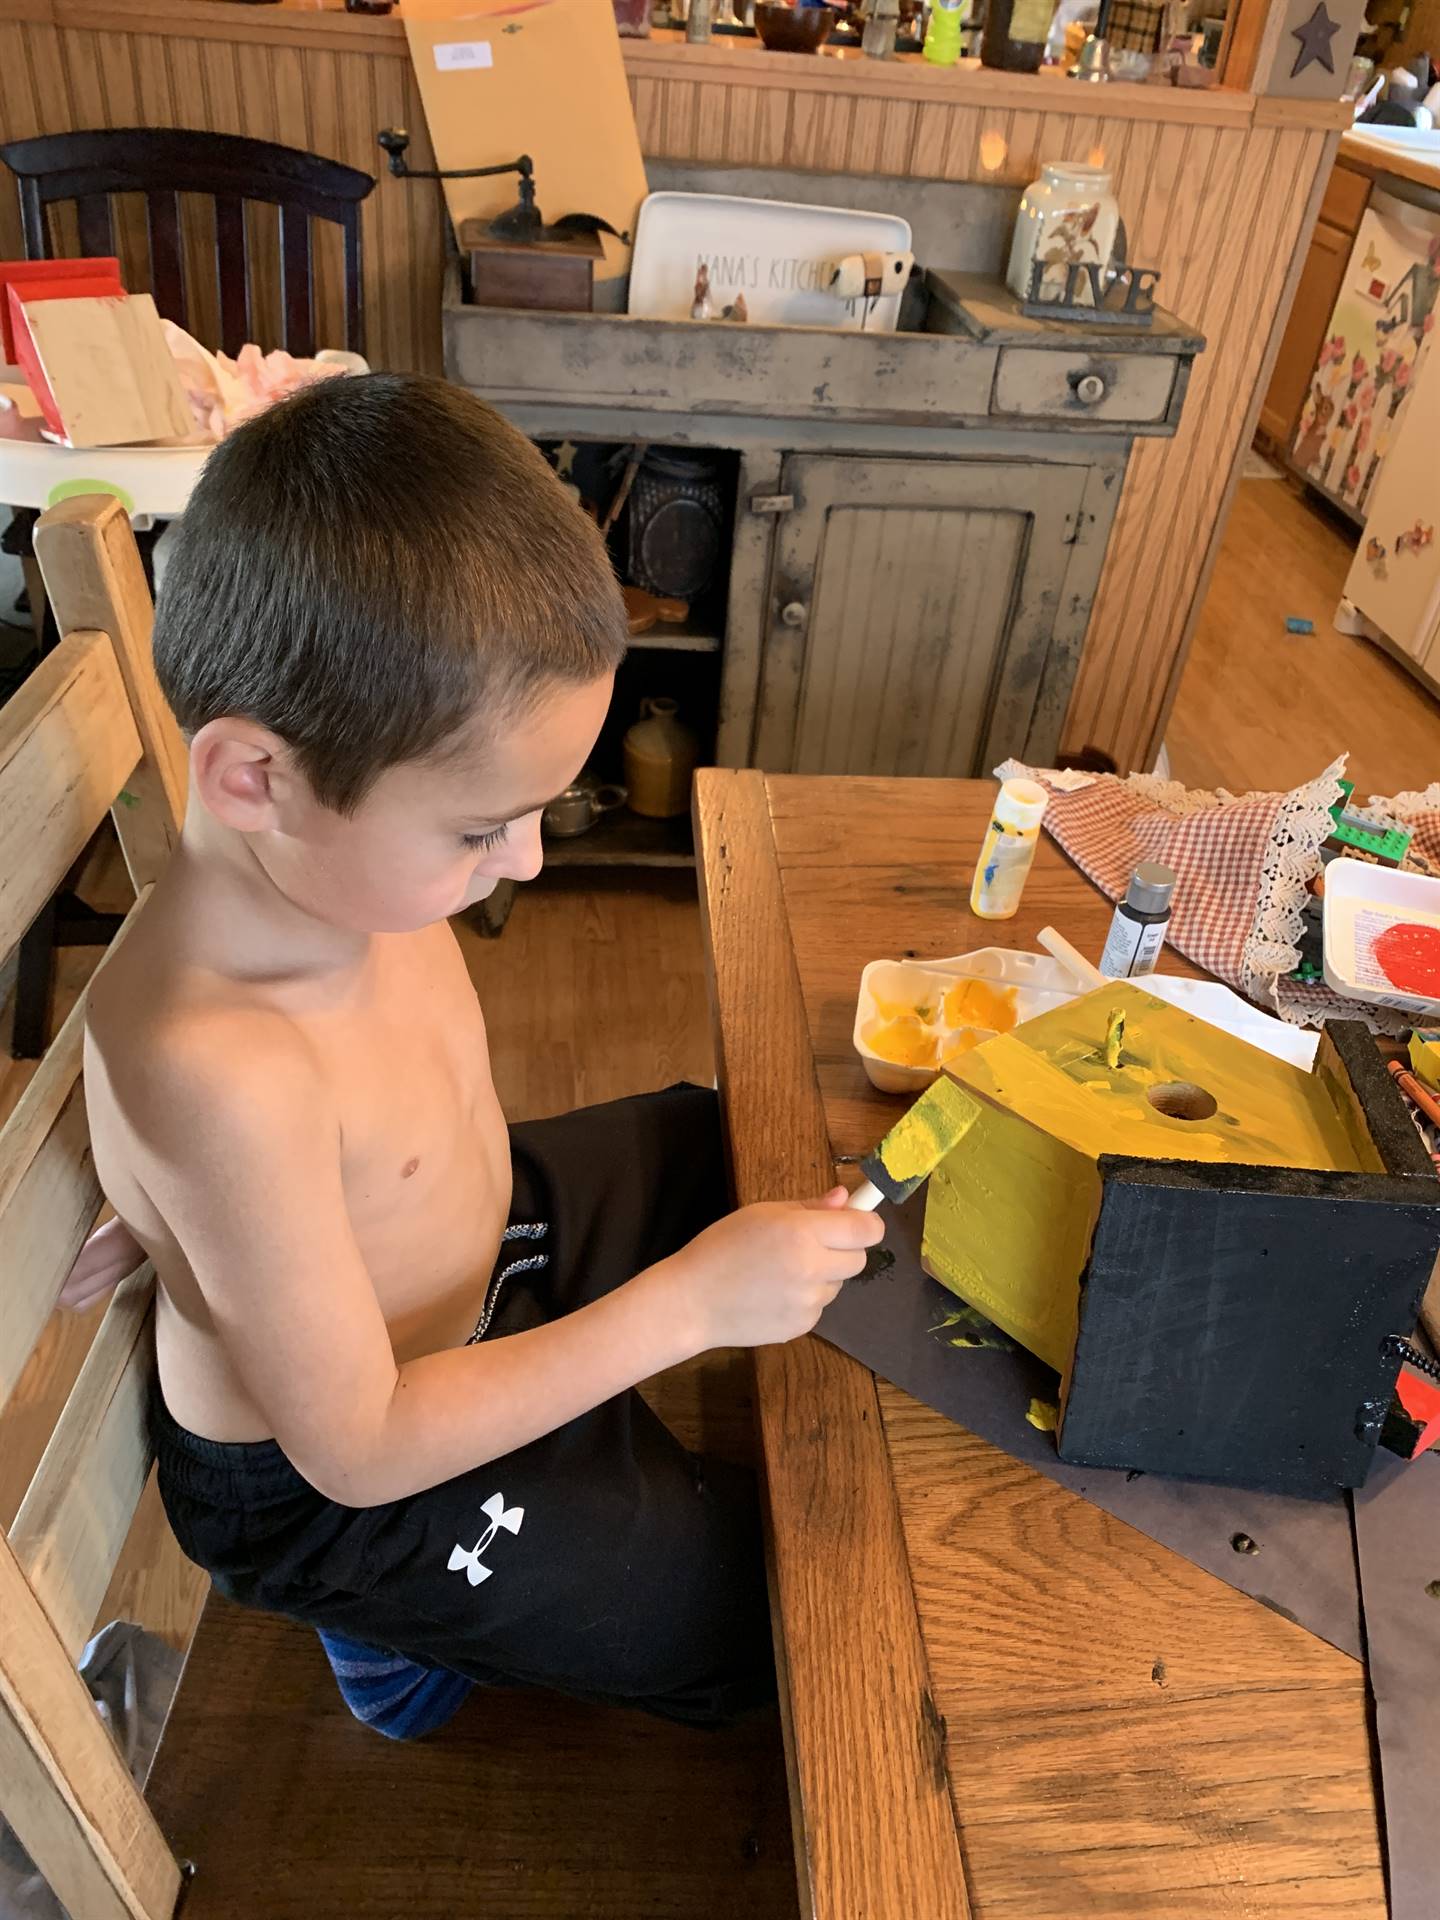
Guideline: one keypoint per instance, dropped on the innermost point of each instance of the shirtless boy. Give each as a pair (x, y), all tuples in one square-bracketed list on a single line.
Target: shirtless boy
[(398, 1344)]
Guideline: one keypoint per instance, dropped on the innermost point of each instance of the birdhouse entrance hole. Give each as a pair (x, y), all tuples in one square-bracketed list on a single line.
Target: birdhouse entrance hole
[(1182, 1100)]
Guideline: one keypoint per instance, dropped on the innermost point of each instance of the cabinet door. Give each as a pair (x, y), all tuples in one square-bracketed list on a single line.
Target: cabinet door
[(1315, 295), (912, 608)]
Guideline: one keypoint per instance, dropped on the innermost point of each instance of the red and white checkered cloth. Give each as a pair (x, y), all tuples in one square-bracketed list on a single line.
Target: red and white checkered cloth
[(1241, 864)]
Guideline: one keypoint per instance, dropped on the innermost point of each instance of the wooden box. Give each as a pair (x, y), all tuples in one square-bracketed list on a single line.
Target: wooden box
[(553, 276), (1211, 1246)]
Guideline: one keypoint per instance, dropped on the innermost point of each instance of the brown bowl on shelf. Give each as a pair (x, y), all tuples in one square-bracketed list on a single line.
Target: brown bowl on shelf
[(786, 29)]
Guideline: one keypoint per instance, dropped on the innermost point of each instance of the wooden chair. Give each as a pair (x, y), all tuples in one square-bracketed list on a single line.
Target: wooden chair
[(164, 162), (87, 168), (88, 731)]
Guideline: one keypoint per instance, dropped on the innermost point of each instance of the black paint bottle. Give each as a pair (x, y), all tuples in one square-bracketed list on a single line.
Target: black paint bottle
[(1137, 932)]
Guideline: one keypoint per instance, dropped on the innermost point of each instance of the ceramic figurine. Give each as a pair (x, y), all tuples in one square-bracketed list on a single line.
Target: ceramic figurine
[(703, 308)]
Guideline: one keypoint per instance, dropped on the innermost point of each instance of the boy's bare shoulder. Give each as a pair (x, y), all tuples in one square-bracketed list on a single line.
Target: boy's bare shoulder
[(180, 1048)]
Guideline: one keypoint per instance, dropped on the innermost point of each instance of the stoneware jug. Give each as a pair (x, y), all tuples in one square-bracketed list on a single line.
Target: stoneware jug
[(660, 757)]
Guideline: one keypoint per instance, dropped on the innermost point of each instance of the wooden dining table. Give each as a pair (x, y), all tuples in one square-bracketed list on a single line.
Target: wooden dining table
[(998, 1699)]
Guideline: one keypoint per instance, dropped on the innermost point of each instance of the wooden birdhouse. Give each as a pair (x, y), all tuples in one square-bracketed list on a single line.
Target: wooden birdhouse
[(1210, 1245)]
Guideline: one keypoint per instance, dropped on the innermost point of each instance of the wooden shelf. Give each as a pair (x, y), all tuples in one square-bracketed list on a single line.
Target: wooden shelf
[(681, 639), (625, 839)]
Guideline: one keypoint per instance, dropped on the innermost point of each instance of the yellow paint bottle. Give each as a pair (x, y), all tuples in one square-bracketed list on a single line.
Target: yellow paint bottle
[(1008, 849)]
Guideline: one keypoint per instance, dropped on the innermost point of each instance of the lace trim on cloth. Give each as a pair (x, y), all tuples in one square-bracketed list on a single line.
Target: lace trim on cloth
[(1292, 859)]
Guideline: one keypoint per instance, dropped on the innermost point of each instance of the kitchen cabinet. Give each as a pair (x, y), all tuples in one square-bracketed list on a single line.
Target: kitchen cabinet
[(1347, 194), (913, 608)]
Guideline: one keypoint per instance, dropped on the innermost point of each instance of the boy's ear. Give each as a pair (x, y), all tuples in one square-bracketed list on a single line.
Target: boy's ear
[(245, 774)]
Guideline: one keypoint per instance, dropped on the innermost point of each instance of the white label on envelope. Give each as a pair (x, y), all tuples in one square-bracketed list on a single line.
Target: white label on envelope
[(451, 56)]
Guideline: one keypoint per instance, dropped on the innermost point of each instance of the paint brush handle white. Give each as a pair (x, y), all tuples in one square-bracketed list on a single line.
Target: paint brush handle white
[(865, 1199), (1056, 944)]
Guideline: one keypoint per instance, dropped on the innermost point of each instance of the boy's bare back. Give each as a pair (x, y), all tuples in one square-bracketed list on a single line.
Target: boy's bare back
[(352, 1091)]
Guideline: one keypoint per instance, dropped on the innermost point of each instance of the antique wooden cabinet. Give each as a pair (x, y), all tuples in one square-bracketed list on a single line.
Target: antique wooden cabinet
[(919, 518)]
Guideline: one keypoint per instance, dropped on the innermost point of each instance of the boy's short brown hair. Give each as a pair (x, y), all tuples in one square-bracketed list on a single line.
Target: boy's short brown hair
[(366, 566)]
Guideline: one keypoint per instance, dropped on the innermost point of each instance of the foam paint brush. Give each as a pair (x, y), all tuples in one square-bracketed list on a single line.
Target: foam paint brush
[(915, 1145)]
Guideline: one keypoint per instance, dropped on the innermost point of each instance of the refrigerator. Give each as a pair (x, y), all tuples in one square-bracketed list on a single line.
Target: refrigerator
[(1394, 578), (1374, 357)]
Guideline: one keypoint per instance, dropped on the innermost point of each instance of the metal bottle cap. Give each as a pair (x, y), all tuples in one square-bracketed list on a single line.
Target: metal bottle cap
[(1151, 886)]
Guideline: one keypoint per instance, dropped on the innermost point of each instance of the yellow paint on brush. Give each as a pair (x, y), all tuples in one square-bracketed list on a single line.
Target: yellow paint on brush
[(933, 1127), (1044, 1415)]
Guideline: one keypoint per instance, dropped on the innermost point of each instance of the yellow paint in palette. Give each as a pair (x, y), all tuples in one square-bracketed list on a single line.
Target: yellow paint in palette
[(1009, 1218)]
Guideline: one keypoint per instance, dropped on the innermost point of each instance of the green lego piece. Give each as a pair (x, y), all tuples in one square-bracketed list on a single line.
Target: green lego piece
[(1389, 844)]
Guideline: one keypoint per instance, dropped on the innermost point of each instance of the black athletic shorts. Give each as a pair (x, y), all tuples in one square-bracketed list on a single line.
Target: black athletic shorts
[(603, 1560)]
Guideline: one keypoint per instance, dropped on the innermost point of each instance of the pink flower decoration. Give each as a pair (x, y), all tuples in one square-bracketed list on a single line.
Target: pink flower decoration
[(1428, 323), (1352, 478), (1402, 373), (1387, 359), (1358, 369), (1347, 416)]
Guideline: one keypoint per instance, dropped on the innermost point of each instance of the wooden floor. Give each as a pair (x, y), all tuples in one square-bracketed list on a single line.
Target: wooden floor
[(1260, 708), (538, 1809)]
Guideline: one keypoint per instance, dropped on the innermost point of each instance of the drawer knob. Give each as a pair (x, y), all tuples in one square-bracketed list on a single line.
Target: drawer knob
[(794, 613), (1090, 388)]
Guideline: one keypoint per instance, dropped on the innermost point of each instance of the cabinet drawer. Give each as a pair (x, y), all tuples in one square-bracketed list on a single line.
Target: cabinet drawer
[(1044, 384), (1347, 194)]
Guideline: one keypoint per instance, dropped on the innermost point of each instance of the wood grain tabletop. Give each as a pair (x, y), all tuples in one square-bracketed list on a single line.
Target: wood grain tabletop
[(999, 1700)]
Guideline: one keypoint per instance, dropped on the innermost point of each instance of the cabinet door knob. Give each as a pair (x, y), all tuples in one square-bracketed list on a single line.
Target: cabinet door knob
[(794, 613), (1090, 388)]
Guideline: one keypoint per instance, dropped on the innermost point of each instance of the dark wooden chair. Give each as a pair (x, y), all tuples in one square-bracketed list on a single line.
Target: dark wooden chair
[(161, 163), (164, 162)]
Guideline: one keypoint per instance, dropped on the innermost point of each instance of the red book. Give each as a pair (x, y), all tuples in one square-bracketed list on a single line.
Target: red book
[(51, 280)]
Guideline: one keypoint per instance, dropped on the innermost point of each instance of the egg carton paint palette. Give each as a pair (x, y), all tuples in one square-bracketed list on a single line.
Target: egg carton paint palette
[(914, 1017)]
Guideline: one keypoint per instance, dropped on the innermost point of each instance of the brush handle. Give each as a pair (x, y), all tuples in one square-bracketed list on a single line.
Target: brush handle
[(865, 1199), (1056, 944)]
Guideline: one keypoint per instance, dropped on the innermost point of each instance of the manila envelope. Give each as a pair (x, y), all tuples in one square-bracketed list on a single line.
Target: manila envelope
[(545, 77)]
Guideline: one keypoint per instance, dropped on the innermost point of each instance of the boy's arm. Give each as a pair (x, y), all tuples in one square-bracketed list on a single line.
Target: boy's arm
[(243, 1162), (241, 1154)]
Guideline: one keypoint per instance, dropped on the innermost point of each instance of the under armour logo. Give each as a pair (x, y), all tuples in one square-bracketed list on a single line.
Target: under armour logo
[(499, 1515)]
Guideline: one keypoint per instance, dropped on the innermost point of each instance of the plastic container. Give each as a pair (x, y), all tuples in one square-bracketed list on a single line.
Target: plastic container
[(1008, 849), (1361, 902), (1137, 931), (941, 46)]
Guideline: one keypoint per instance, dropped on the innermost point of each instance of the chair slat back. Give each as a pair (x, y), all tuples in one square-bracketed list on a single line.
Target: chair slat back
[(90, 165), (64, 1785), (78, 1508), (49, 1193), (94, 578), (68, 744), (87, 729)]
